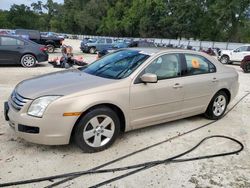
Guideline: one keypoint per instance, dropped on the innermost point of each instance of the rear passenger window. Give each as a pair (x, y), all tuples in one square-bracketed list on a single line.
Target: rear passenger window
[(7, 41), (198, 65), (109, 40), (101, 41), (19, 42)]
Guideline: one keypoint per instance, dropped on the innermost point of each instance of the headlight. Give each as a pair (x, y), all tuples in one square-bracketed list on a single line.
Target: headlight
[(39, 105)]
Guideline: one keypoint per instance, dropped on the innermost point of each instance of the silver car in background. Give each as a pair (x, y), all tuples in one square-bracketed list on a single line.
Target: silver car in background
[(125, 90)]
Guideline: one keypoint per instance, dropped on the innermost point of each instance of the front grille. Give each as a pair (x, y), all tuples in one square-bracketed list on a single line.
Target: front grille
[(17, 101)]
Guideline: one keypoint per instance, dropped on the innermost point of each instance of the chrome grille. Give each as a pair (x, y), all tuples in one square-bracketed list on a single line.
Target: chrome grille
[(17, 101)]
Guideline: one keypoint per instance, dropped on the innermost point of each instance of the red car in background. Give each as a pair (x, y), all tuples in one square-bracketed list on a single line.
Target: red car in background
[(245, 64)]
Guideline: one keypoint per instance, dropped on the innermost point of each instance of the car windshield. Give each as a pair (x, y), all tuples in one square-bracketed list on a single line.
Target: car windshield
[(117, 65)]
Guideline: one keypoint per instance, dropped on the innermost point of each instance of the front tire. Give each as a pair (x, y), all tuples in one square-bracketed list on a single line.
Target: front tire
[(225, 59), (28, 60), (217, 106), (97, 130), (92, 50)]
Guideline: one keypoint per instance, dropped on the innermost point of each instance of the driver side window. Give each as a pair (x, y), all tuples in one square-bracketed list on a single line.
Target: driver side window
[(242, 49), (165, 66)]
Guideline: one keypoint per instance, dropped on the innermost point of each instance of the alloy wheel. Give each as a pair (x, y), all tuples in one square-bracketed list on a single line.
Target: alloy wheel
[(224, 60), (219, 105), (28, 61), (99, 131)]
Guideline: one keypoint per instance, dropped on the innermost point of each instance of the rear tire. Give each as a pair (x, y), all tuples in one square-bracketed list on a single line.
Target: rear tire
[(217, 106), (97, 130), (50, 48), (28, 61)]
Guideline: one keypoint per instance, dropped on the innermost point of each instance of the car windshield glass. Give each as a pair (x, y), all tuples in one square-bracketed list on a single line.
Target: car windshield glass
[(91, 40), (116, 65)]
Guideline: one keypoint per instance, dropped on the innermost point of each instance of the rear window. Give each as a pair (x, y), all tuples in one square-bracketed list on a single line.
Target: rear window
[(109, 40)]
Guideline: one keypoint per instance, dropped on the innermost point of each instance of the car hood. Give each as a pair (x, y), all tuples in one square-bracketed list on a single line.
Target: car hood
[(226, 51), (60, 83)]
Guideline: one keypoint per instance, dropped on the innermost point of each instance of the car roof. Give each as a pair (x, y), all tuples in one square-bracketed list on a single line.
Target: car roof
[(149, 51), (153, 50)]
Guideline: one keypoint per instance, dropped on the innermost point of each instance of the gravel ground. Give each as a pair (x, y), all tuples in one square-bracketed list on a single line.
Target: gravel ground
[(21, 160)]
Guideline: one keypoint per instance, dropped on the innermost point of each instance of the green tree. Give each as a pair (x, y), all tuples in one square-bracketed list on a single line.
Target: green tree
[(20, 16)]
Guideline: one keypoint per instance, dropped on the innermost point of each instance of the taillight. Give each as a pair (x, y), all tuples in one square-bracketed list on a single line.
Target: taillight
[(43, 49)]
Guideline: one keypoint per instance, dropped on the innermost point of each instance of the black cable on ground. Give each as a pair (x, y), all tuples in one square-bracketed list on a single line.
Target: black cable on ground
[(70, 176), (175, 159)]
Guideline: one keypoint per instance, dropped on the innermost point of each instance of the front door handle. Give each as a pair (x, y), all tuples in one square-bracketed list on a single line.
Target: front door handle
[(177, 85), (215, 80)]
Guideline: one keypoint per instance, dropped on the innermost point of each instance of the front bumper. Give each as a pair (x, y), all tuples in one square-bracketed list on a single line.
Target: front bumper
[(51, 129), (84, 49)]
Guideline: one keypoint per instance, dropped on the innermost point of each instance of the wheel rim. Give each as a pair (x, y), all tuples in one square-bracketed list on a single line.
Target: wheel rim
[(224, 60), (219, 105), (92, 50), (28, 61), (99, 131)]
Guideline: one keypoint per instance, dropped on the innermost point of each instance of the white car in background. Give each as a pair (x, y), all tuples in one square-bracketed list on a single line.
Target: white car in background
[(236, 55)]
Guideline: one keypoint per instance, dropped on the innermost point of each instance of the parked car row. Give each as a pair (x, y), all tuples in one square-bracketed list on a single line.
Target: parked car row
[(93, 45)]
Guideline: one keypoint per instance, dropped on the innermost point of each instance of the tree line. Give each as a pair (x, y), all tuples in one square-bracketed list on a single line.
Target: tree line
[(223, 20)]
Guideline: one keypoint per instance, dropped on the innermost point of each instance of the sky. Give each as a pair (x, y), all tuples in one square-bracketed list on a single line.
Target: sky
[(6, 4)]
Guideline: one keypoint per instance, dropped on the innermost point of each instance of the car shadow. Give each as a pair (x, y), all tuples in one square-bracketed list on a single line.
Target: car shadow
[(10, 66)]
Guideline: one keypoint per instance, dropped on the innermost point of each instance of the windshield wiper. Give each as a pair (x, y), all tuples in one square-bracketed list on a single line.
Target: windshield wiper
[(133, 65)]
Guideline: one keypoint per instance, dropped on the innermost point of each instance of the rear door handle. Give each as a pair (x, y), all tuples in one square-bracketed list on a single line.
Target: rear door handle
[(177, 85)]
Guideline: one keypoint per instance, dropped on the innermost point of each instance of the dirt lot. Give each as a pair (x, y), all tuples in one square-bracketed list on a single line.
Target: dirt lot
[(22, 160)]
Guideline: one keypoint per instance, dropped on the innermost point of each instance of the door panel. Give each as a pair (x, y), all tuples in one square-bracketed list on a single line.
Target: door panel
[(240, 53), (198, 90), (152, 103), (199, 84), (238, 56), (10, 50)]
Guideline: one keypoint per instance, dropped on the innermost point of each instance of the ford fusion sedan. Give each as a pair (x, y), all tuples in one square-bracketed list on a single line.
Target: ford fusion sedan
[(125, 90), (17, 50)]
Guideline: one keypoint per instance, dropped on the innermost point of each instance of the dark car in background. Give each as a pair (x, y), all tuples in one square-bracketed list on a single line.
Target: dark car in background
[(51, 42), (17, 50), (93, 46)]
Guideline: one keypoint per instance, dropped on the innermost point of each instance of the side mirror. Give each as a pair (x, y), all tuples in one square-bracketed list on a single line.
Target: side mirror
[(236, 50), (149, 78)]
